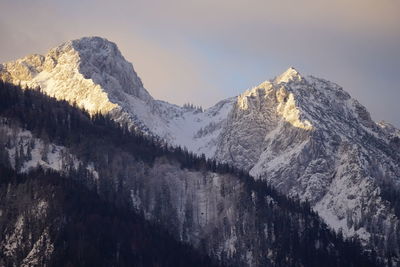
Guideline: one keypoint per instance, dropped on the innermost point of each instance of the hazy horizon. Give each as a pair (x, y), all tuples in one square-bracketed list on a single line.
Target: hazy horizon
[(202, 52)]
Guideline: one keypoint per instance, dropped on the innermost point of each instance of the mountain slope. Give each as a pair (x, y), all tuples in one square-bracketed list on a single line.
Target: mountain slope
[(51, 220), (92, 73), (310, 139), (216, 208), (304, 135)]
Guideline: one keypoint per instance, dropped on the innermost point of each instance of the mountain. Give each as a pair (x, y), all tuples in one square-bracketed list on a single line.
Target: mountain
[(92, 73), (74, 190), (310, 139), (304, 135)]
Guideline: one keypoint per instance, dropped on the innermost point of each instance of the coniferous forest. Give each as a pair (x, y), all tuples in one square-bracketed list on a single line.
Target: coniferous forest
[(86, 230), (94, 224)]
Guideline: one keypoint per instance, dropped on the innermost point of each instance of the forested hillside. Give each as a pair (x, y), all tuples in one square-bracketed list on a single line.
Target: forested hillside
[(52, 220), (216, 208)]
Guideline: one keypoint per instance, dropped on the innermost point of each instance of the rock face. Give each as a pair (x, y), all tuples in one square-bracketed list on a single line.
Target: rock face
[(304, 135), (92, 73), (310, 139), (109, 175)]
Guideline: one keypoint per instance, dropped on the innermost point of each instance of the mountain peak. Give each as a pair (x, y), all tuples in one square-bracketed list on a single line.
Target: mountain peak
[(92, 39), (291, 74), (102, 61), (89, 71), (96, 44), (86, 48)]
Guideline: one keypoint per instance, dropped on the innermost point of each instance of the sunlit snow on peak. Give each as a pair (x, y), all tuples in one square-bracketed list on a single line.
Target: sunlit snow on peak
[(291, 74), (276, 95)]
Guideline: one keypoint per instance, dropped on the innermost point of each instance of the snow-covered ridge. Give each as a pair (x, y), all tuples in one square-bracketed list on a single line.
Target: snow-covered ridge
[(305, 135), (291, 74), (311, 140), (92, 73)]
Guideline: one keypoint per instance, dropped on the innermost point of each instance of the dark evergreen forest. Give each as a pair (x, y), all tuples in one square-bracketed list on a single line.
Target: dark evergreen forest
[(86, 230), (297, 228)]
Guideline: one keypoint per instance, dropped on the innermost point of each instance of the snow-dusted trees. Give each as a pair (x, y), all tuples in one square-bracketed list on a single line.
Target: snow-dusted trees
[(53, 220), (221, 203), (191, 106)]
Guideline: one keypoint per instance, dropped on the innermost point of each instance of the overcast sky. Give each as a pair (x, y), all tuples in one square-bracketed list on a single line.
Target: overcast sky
[(203, 51)]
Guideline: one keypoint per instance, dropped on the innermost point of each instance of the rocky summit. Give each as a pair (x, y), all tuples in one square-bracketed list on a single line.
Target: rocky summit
[(305, 136)]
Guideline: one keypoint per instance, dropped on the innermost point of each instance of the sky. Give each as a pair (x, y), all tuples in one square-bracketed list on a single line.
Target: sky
[(204, 51)]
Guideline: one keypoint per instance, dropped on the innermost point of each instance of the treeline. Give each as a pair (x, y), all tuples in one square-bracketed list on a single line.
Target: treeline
[(60, 123), (299, 236), (63, 124), (66, 125), (83, 229), (191, 106)]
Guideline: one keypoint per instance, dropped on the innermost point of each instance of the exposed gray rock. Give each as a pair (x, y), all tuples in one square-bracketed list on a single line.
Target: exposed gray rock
[(304, 135)]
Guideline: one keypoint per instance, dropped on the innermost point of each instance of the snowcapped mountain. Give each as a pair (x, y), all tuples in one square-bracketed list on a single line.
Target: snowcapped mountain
[(92, 73), (96, 178), (310, 139), (304, 135)]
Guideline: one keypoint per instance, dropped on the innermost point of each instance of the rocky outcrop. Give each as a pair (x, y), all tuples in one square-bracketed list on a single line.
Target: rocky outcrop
[(304, 135)]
